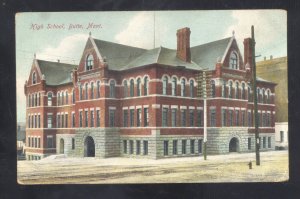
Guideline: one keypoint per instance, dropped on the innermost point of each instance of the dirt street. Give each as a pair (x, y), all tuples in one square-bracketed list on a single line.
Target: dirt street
[(219, 168)]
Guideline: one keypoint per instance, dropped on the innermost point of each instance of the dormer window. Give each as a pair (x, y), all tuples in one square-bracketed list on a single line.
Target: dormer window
[(33, 78), (233, 62), (89, 62)]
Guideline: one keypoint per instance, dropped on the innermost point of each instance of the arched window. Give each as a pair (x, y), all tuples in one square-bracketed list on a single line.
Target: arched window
[(224, 88), (243, 91), (230, 90), (49, 99), (174, 86), (263, 93), (125, 88), (92, 90), (98, 89), (183, 87), (89, 62), (32, 100), (36, 100), (62, 98), (112, 88), (191, 88), (33, 78), (146, 86), (131, 88), (165, 84), (237, 90), (39, 101), (80, 92), (29, 100), (67, 97), (249, 94), (73, 96), (138, 87), (268, 96), (233, 63), (213, 88), (86, 91)]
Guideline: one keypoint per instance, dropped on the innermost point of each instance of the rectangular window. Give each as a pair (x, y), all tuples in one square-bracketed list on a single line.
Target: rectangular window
[(58, 121), (224, 117), (73, 143), (73, 119), (125, 118), (192, 146), (145, 143), (243, 118), (260, 142), (191, 117), (62, 121), (183, 117), (28, 142), (183, 146), (131, 146), (166, 146), (213, 117), (165, 117), (264, 142), (174, 117), (200, 146), (29, 122), (281, 136), (98, 118), (146, 117), (175, 147), (249, 119), (49, 141), (138, 117), (86, 118), (80, 118), (249, 143), (138, 147), (131, 117), (49, 121), (66, 120), (39, 142), (35, 142), (125, 146), (269, 142), (264, 119), (92, 119), (39, 121), (35, 121), (230, 118), (237, 117), (258, 119), (111, 118), (199, 118)]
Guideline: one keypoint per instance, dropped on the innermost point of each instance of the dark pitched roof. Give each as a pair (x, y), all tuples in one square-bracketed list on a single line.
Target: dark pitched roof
[(56, 73), (117, 55), (122, 57), (206, 55)]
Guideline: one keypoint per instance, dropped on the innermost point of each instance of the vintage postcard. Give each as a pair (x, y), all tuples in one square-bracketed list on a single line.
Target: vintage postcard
[(152, 97)]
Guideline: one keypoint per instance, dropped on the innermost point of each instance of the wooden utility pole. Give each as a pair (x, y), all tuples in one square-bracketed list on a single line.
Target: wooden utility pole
[(257, 141)]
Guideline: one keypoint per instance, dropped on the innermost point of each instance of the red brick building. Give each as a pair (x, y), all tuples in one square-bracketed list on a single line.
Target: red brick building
[(132, 102)]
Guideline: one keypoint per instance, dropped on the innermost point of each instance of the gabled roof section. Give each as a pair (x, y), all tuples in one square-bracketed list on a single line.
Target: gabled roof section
[(56, 73), (117, 55), (206, 55)]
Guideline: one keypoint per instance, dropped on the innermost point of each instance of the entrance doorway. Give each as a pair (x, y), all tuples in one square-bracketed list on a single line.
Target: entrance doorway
[(61, 146), (234, 145), (89, 147)]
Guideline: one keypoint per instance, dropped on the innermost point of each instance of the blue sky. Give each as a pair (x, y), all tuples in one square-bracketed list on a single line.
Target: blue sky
[(137, 29)]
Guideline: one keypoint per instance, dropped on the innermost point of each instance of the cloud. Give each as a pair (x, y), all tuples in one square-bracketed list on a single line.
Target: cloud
[(139, 31), (68, 50), (269, 27)]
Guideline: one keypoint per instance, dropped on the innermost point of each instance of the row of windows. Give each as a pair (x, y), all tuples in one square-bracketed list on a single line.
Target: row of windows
[(34, 142), (90, 93), (34, 157), (129, 148), (183, 91), (130, 114), (266, 143), (34, 100), (90, 119), (34, 121), (138, 87), (192, 149), (183, 117)]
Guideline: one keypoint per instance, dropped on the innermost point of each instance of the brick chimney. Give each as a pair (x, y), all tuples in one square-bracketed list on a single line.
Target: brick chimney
[(248, 51), (183, 44)]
